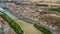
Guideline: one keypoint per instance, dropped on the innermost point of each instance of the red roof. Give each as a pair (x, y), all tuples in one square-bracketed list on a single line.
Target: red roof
[(1, 21)]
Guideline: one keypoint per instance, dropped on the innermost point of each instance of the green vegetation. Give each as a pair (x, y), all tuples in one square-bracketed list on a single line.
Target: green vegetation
[(42, 29), (42, 5), (57, 23), (55, 8), (18, 3), (12, 24), (43, 12)]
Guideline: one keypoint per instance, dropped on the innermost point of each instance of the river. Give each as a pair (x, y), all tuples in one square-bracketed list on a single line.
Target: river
[(27, 27)]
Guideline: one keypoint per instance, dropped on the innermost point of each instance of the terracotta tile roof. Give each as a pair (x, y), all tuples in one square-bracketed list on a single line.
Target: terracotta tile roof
[(0, 20)]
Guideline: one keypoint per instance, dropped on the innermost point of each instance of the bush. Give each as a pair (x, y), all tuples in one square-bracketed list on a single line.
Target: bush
[(55, 9), (42, 5), (42, 29)]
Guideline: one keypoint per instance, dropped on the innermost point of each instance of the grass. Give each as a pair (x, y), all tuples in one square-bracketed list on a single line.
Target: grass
[(42, 29), (12, 23), (55, 9), (42, 5)]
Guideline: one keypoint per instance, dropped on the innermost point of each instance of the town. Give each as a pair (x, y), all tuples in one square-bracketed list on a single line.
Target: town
[(43, 13)]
